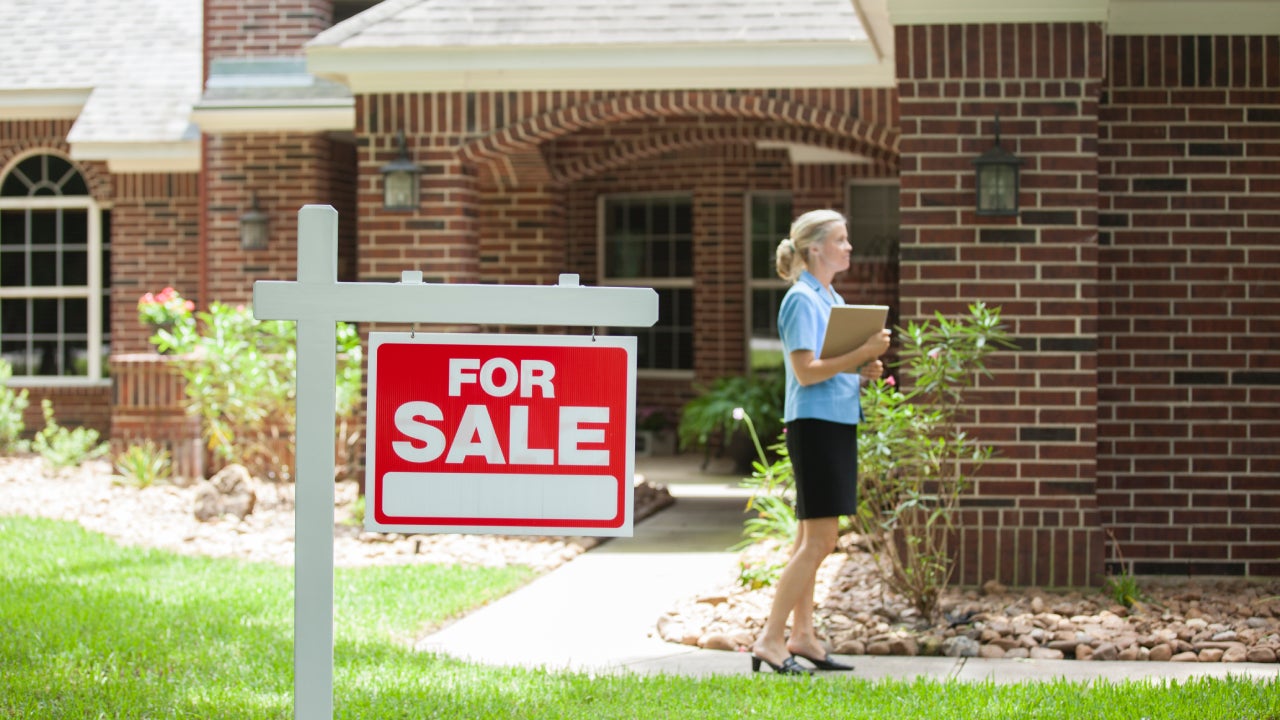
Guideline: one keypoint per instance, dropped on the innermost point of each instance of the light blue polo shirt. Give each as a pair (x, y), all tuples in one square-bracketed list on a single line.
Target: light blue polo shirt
[(802, 323)]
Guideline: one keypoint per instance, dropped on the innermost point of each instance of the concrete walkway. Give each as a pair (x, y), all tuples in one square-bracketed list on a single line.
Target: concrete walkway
[(598, 612)]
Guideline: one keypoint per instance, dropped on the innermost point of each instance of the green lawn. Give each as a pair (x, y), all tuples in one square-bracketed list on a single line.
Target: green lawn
[(94, 630)]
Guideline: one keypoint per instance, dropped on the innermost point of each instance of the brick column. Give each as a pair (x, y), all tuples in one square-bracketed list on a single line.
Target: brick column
[(1032, 516)]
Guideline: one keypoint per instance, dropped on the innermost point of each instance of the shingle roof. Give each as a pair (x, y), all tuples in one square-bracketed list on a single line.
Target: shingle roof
[(484, 23), (141, 60)]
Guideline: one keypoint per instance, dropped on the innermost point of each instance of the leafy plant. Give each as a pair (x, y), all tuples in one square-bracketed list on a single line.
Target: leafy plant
[(11, 406), (754, 577), (241, 382), (1123, 586), (709, 417), (142, 466), (166, 307), (62, 448), (914, 455)]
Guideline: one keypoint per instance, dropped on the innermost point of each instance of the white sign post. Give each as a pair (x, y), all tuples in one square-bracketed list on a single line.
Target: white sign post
[(317, 301)]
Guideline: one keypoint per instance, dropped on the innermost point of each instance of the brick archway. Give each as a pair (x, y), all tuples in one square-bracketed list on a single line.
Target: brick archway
[(511, 153)]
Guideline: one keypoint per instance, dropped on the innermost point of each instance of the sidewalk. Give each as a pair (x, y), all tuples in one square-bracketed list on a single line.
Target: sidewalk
[(598, 612)]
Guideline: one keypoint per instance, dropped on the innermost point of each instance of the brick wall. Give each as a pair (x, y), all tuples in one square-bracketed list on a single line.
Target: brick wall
[(263, 28), (154, 244), (286, 171), (1032, 518), (1189, 377)]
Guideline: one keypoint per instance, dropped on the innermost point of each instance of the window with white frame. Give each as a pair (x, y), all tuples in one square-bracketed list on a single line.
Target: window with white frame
[(53, 274), (768, 222), (873, 219), (647, 240)]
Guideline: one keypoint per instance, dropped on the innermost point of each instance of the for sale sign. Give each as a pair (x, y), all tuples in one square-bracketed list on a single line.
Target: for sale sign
[(510, 434)]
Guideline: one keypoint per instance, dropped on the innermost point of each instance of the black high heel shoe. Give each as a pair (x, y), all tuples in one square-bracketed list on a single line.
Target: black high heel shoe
[(788, 666), (826, 663)]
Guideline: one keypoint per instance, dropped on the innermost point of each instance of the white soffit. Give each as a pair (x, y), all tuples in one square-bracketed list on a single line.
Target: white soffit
[(801, 154), (42, 104), (175, 157), (947, 12), (609, 67), (300, 118), (1194, 17)]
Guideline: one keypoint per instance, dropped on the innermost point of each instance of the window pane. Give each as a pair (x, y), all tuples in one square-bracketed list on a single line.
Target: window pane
[(75, 267), (13, 227), (76, 358), (13, 269), (668, 345), (75, 227), (15, 353), (75, 316), (46, 358), (44, 227), (13, 317), (44, 269), (44, 315)]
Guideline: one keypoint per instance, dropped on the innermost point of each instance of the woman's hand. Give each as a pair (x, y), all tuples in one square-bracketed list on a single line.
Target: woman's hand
[(876, 345), (872, 371)]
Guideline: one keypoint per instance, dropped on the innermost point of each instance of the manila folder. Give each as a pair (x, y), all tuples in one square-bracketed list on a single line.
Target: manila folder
[(850, 325)]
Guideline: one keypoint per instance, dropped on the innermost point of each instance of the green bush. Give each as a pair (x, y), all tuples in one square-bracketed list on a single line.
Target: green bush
[(143, 465), (62, 448), (11, 406), (710, 416), (241, 382)]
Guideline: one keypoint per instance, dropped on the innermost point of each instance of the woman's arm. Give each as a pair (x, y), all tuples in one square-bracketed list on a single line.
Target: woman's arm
[(811, 370)]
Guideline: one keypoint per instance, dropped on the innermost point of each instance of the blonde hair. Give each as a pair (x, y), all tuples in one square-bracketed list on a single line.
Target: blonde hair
[(807, 230)]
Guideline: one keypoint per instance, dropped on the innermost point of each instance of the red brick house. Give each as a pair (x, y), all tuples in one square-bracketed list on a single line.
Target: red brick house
[(668, 144)]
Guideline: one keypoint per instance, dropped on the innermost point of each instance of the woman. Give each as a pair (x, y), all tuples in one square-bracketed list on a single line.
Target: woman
[(822, 411)]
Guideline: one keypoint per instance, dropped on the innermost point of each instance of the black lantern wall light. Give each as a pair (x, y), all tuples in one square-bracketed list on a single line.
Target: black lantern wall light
[(253, 227), (996, 173), (400, 179)]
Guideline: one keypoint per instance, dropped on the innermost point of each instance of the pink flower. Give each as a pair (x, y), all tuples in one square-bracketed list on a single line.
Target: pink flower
[(934, 353), (890, 381)]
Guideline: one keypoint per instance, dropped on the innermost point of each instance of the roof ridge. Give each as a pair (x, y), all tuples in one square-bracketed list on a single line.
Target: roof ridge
[(352, 26)]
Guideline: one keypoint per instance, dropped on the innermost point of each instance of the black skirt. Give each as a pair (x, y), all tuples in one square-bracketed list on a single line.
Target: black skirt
[(824, 458)]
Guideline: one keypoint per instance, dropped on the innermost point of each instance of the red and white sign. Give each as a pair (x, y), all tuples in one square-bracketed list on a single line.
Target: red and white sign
[(510, 434)]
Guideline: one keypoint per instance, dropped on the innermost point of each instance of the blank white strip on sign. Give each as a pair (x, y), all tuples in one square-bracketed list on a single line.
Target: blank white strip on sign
[(492, 495)]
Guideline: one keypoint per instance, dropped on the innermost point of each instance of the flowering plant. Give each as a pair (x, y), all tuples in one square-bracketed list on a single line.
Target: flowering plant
[(164, 308)]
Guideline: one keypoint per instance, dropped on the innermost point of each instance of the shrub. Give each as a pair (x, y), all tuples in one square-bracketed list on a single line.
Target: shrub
[(710, 416), (142, 465), (62, 448), (11, 406), (914, 456), (241, 382)]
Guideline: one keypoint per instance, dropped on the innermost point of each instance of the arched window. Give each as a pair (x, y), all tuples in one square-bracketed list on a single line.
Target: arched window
[(53, 274)]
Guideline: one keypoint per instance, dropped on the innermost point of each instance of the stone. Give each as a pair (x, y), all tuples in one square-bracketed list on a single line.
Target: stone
[(1161, 653), (903, 647), (849, 646), (1044, 653), (229, 492), (991, 652), (717, 641), (1185, 657), (1261, 655), (1084, 652), (1017, 654), (1106, 651), (1235, 654), (994, 587), (880, 647), (1211, 655)]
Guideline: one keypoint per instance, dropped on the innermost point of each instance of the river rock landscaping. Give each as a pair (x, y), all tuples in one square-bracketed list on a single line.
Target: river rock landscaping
[(1176, 619)]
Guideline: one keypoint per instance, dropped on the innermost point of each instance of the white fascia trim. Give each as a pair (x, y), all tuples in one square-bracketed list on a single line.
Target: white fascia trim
[(385, 70), (951, 12), (121, 157), (1192, 17), (242, 119), (801, 154), (42, 104)]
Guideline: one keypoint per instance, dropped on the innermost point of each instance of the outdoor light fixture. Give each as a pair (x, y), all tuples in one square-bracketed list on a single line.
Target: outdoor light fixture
[(253, 227), (997, 179), (400, 180)]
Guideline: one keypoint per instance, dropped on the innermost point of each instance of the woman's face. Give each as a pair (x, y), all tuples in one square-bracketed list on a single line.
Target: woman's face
[(831, 255)]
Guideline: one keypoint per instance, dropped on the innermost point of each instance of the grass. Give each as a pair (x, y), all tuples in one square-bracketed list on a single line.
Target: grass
[(95, 630)]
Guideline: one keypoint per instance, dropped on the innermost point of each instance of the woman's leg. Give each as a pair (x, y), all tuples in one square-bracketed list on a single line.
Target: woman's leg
[(804, 638), (815, 541)]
